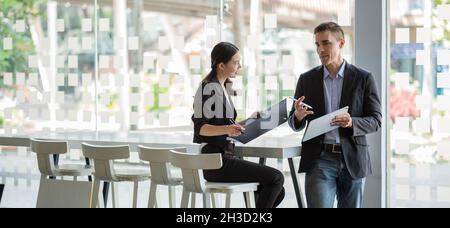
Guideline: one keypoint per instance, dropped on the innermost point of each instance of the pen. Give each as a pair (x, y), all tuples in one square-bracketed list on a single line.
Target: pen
[(234, 122), (304, 104)]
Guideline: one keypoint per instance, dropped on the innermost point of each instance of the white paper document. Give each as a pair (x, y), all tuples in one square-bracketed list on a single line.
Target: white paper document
[(322, 125)]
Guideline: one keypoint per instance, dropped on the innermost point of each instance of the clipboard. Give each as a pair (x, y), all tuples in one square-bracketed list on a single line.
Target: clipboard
[(272, 118), (322, 125)]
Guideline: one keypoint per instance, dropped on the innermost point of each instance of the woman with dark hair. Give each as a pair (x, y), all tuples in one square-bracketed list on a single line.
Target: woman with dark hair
[(214, 121)]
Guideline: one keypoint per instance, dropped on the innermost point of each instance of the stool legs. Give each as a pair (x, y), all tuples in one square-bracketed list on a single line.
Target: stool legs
[(228, 200), (115, 194), (172, 196), (206, 200), (95, 196), (152, 195), (213, 200), (250, 199), (135, 193), (209, 200), (193, 195), (152, 199), (185, 199)]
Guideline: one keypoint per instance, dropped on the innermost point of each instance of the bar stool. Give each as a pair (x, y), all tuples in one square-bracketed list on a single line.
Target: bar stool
[(45, 149), (192, 166), (50, 190), (104, 170), (160, 172)]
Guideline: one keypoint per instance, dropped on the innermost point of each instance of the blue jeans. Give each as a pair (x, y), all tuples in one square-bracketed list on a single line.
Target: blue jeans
[(329, 178)]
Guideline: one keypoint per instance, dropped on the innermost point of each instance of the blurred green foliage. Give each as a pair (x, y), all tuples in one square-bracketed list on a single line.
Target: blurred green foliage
[(10, 12)]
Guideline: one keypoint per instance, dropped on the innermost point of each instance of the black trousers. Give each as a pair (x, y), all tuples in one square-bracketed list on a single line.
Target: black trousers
[(270, 191)]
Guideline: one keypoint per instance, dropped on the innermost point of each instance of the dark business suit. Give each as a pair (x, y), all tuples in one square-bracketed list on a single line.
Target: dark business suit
[(209, 97), (359, 92)]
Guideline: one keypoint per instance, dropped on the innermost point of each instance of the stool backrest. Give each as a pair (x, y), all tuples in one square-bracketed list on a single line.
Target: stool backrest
[(103, 157), (192, 166), (44, 150), (159, 162)]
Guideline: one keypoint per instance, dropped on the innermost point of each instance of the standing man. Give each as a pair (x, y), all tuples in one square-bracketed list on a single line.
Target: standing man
[(336, 163)]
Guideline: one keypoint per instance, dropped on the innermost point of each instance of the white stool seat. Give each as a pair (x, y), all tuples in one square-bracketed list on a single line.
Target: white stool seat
[(132, 175), (73, 170), (176, 181), (220, 187)]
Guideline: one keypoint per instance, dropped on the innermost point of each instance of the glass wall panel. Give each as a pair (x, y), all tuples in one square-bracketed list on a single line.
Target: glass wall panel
[(419, 103), (135, 64), (47, 64), (277, 45), (277, 42), (43, 64), (72, 65), (151, 59)]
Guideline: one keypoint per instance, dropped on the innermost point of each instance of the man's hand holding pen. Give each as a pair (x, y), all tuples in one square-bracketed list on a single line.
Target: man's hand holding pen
[(301, 109)]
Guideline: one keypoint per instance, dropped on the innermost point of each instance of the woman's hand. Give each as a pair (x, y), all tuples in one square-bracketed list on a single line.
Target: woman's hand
[(235, 130), (256, 115)]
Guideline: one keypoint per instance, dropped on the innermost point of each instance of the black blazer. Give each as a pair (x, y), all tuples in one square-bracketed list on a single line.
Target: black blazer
[(359, 92), (211, 107)]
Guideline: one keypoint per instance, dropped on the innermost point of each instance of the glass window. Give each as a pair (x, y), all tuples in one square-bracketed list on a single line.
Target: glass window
[(277, 43), (135, 65), (44, 61), (69, 65), (419, 104)]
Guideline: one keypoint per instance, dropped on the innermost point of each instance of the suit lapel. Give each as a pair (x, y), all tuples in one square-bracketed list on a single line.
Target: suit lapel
[(318, 83), (347, 87)]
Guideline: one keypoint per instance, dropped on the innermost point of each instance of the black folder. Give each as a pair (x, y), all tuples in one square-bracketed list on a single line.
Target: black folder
[(271, 118)]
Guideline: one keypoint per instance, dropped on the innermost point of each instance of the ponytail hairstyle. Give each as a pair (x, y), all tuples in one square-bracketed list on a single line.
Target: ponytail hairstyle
[(223, 52)]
